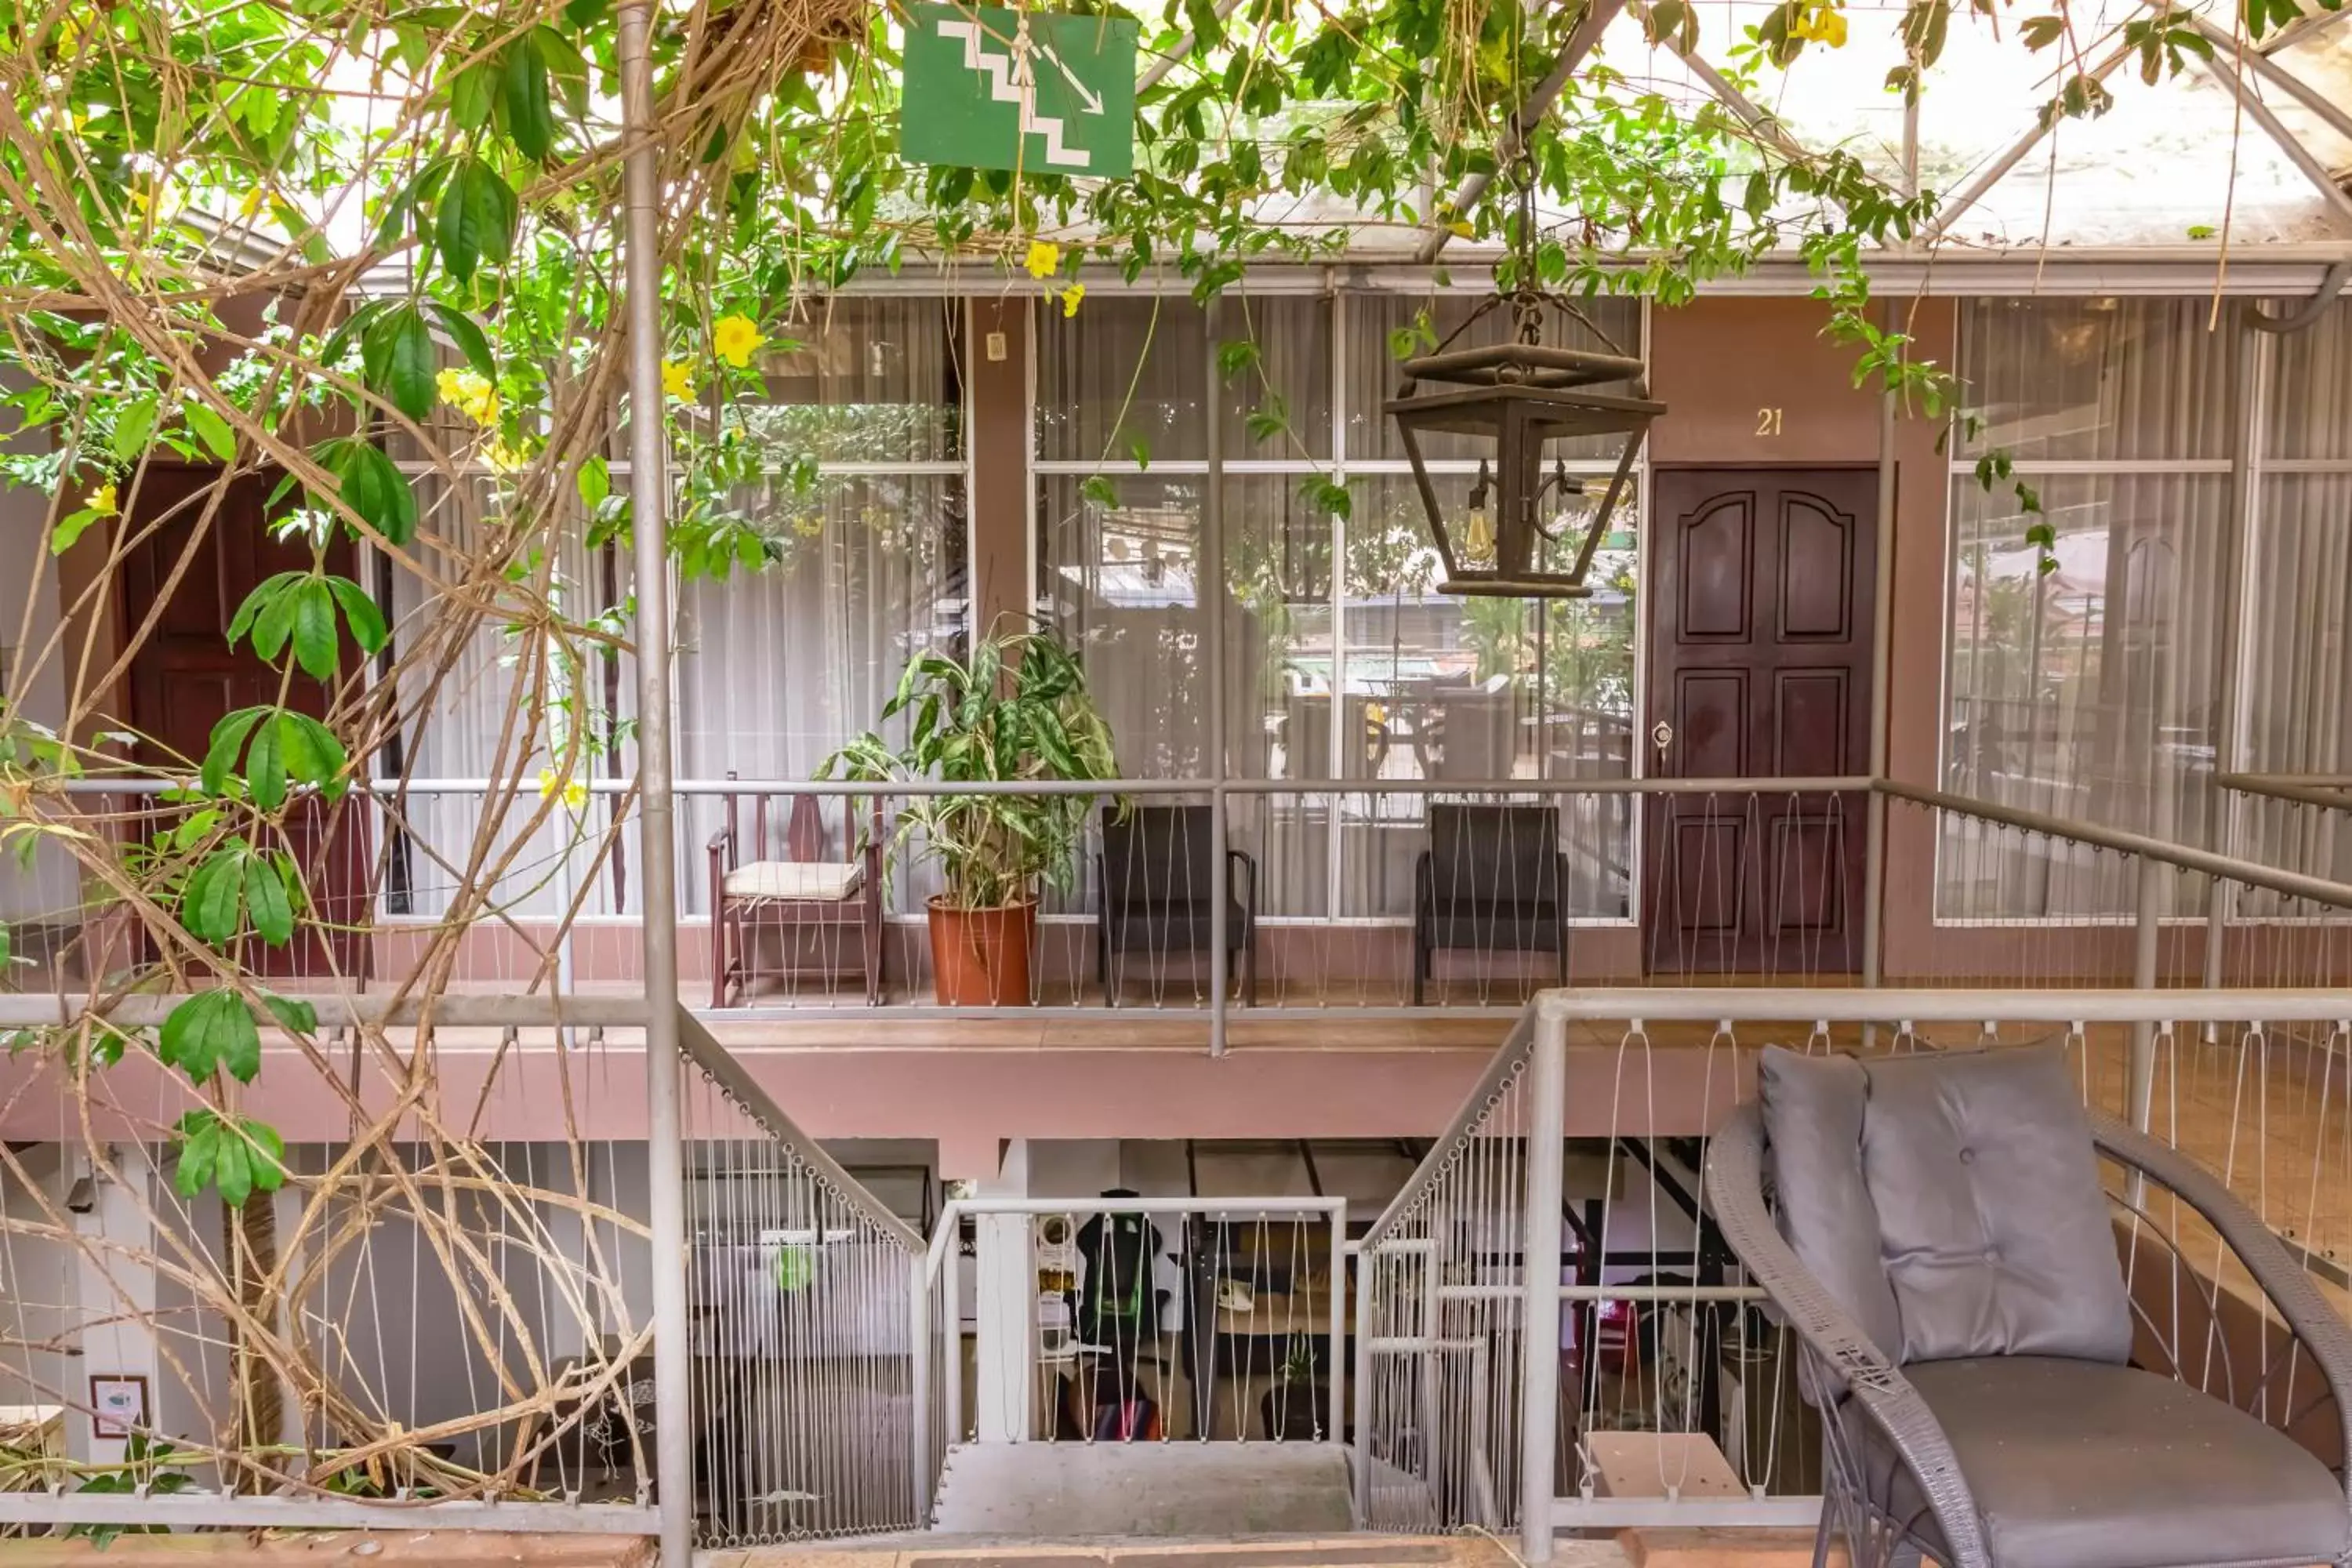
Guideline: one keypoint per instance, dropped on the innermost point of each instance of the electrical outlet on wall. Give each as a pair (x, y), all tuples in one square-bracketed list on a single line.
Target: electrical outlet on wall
[(998, 349)]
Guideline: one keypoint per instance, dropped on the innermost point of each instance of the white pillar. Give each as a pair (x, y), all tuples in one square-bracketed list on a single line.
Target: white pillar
[(115, 1286), (1004, 1315)]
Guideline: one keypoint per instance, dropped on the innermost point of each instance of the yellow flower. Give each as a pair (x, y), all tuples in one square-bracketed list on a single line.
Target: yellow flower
[(574, 790), (735, 338), (104, 500), (678, 380), (1044, 258), (1822, 23), (1070, 298), (501, 458), (470, 394)]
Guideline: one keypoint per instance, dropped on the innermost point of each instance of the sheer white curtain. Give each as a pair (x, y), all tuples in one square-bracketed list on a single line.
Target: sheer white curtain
[(2299, 599), (778, 666), (2092, 689)]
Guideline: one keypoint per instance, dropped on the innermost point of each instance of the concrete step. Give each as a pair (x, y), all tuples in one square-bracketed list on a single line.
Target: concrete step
[(1069, 1491)]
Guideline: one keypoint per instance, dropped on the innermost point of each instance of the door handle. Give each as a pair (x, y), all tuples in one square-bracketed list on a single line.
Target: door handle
[(1661, 735)]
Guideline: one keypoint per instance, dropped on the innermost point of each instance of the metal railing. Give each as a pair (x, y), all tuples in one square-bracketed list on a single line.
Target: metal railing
[(1141, 1319), (1668, 1397)]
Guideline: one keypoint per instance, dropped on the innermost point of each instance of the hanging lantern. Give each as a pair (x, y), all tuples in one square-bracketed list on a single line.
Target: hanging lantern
[(1520, 397)]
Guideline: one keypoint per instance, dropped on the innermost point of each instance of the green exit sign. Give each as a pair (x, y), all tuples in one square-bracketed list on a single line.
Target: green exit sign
[(1019, 90)]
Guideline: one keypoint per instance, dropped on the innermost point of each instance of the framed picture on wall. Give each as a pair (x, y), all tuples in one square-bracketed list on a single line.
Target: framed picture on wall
[(118, 1405)]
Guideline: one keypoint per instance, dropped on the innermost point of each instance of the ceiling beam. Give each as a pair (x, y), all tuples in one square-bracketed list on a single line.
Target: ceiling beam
[(2337, 117), (2012, 155), (1598, 15), (2323, 179)]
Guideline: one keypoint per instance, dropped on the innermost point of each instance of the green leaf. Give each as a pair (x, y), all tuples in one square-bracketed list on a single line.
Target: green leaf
[(314, 627), (1100, 489), (595, 482), (522, 100), (476, 222), (232, 1172), (274, 622), (207, 1032), (294, 1015), (209, 904), (373, 487), (360, 613), (266, 1154), (472, 94), (265, 897), (313, 753), (1235, 357), (396, 357), (212, 431), (265, 765), (199, 1152), (228, 743), (468, 335), (132, 425)]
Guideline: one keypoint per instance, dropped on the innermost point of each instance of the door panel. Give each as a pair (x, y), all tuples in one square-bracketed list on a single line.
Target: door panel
[(184, 679), (1759, 668)]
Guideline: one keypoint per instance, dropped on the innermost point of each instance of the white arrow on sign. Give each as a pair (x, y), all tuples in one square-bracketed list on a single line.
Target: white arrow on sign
[(1093, 100), (1010, 81)]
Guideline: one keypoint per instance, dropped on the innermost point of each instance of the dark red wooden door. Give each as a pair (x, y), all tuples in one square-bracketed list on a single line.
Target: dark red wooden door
[(184, 679), (1761, 584)]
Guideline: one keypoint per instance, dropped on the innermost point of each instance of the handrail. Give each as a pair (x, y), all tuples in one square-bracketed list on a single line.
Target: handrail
[(2294, 884), (343, 1009), (2321, 790), (1506, 1060), (1807, 785), (1701, 1003), (697, 1044)]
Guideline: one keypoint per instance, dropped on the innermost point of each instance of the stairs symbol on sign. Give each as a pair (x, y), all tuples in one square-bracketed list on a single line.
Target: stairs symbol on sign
[(1011, 79)]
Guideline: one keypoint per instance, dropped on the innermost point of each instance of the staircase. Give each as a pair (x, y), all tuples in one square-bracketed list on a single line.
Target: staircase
[(1143, 1491)]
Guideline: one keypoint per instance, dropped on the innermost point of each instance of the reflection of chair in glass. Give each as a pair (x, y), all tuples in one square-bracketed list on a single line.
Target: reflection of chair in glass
[(1467, 733), (1492, 879), (803, 894), (1306, 737), (1950, 1264), (1152, 891)]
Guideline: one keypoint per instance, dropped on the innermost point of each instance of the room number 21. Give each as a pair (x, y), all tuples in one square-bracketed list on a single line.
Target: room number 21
[(1767, 422)]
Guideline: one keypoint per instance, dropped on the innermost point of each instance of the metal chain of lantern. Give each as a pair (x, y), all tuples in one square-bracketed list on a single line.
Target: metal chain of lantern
[(1519, 397)]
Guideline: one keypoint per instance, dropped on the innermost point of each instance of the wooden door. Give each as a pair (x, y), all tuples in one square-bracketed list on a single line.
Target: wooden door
[(1761, 588), (184, 679)]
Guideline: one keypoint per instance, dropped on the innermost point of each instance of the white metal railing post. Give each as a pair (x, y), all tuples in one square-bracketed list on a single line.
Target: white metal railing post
[(952, 1304), (1540, 1279), (2147, 928), (657, 852), (1360, 1461), (920, 1373), (1337, 1301)]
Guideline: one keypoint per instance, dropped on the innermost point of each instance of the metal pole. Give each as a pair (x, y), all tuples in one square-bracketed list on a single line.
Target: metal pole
[(1539, 1277), (922, 1371), (1337, 1296), (1209, 593), (1881, 652), (1360, 1468), (952, 1287), (657, 841), (2245, 503), (2146, 928)]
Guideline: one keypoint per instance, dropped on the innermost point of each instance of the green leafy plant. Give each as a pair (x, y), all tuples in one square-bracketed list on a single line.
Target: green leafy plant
[(147, 1467), (1017, 710)]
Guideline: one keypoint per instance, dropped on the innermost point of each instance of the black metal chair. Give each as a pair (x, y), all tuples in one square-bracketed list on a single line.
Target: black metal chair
[(1994, 1393), (1152, 890), (1493, 879)]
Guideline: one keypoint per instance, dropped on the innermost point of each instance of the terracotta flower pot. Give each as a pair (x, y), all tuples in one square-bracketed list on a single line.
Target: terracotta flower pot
[(979, 958)]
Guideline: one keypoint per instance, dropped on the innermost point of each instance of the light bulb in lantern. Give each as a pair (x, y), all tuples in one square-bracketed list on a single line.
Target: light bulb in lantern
[(1478, 535)]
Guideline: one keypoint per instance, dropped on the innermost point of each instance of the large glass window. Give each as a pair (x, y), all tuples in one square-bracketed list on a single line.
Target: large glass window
[(2093, 686), (777, 666), (1341, 662)]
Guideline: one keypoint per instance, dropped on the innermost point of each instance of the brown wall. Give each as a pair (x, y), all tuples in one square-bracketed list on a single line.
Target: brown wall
[(999, 391)]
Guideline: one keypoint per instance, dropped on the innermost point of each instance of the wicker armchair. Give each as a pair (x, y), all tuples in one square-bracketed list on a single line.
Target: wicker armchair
[(1990, 1413)]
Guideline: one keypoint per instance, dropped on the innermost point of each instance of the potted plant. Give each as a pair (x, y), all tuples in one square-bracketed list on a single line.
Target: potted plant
[(1292, 1410), (1015, 710)]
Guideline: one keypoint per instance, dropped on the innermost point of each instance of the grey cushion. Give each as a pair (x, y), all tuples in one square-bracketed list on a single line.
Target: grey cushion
[(2076, 1464), (1949, 1200), (1812, 1108)]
